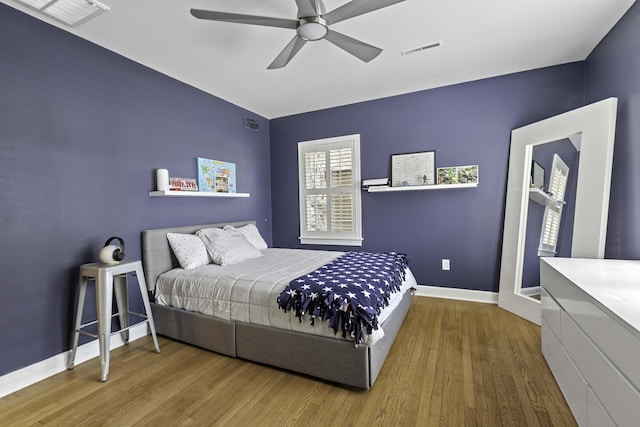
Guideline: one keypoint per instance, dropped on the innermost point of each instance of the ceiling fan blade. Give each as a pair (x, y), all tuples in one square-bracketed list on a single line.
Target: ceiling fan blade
[(357, 7), (287, 53), (360, 50), (307, 8), (245, 19)]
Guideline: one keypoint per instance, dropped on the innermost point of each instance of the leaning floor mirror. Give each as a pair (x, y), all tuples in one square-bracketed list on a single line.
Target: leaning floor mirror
[(557, 198)]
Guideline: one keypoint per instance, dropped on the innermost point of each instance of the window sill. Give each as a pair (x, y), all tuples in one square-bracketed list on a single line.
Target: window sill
[(329, 241)]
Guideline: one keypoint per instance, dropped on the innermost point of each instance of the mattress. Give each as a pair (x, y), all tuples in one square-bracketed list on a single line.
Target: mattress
[(248, 291)]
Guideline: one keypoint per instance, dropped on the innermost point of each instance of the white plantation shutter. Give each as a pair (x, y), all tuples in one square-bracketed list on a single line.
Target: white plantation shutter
[(316, 212), (550, 228), (342, 212), (315, 184), (315, 170), (553, 208), (330, 212)]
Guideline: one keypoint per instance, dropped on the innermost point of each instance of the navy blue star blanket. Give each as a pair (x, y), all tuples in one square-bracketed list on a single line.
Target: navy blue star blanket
[(349, 292)]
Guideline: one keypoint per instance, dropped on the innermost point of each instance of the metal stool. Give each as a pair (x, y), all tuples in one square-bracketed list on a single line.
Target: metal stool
[(109, 277)]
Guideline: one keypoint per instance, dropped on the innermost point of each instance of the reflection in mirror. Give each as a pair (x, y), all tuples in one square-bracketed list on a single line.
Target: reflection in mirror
[(552, 193)]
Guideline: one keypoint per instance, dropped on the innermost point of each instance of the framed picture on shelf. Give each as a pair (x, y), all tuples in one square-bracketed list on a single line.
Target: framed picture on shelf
[(411, 169), (216, 176), (458, 175), (468, 174), (537, 175), (448, 175), (182, 184)]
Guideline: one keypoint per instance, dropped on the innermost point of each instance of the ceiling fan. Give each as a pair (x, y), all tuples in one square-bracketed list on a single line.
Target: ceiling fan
[(312, 24)]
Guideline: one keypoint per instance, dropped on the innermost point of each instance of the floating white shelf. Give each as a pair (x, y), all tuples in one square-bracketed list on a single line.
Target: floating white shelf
[(170, 193), (541, 197), (383, 189)]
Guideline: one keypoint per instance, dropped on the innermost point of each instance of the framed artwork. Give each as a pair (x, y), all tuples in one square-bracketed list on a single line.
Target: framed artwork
[(448, 175), (413, 169), (537, 175), (182, 184), (216, 176), (458, 175), (468, 174)]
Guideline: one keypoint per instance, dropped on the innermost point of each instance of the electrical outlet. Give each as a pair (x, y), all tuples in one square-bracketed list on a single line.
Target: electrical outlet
[(445, 264)]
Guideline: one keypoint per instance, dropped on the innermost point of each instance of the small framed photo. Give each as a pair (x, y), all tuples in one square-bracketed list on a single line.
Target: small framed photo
[(458, 175), (468, 174), (537, 175), (413, 169), (183, 184), (222, 184), (448, 175)]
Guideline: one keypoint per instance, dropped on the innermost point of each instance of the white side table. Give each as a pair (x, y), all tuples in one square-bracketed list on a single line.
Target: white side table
[(110, 277)]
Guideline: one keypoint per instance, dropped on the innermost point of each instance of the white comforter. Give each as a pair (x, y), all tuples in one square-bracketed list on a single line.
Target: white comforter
[(248, 291)]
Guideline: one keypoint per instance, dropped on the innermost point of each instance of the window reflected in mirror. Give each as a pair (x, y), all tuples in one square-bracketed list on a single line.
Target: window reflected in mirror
[(554, 178)]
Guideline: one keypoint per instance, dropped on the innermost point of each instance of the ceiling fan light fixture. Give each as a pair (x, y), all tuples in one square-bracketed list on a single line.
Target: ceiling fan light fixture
[(312, 28)]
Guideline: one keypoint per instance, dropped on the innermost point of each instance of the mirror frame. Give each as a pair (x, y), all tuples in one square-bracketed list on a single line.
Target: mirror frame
[(592, 130)]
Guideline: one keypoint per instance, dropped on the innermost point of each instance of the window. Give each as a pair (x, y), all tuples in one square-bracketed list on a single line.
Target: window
[(553, 208), (329, 183)]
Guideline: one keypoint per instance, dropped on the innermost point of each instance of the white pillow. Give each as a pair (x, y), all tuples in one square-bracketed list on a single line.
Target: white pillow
[(252, 234), (227, 247), (189, 250)]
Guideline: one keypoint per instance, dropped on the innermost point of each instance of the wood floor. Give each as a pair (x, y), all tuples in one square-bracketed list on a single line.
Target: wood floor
[(453, 364)]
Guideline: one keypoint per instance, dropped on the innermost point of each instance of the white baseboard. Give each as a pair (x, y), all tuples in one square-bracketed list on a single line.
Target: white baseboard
[(24, 377), (459, 294)]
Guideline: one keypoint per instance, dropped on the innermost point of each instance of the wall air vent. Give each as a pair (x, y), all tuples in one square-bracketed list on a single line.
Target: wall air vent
[(251, 124), (421, 48), (69, 12)]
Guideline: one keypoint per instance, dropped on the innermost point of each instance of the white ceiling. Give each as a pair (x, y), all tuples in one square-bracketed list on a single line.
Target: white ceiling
[(480, 39)]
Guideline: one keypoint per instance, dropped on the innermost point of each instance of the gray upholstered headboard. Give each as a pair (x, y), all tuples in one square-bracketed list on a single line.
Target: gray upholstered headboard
[(157, 256)]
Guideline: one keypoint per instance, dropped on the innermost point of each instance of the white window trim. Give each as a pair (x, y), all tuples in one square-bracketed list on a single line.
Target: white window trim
[(307, 238)]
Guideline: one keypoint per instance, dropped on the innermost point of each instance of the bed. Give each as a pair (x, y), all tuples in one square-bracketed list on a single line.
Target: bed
[(283, 341)]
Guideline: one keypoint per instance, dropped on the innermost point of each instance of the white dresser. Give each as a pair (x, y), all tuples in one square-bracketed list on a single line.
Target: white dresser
[(591, 337)]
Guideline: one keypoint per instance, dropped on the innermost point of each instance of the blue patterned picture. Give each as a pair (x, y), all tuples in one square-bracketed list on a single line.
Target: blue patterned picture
[(216, 176)]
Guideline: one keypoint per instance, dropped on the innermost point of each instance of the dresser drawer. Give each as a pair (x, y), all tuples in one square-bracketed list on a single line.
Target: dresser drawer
[(614, 340), (550, 312), (556, 285), (571, 382), (609, 386), (596, 414)]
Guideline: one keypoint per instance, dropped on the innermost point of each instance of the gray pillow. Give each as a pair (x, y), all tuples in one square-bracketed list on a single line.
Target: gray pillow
[(189, 249), (227, 247), (252, 234)]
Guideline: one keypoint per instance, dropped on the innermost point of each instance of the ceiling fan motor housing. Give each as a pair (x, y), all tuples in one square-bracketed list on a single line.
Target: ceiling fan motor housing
[(312, 28)]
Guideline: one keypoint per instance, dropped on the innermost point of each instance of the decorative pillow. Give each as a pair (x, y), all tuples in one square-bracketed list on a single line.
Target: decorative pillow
[(189, 250), (252, 234), (227, 247)]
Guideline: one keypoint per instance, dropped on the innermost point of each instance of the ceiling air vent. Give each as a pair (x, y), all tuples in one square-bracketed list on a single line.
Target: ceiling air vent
[(251, 124), (421, 48), (69, 12)]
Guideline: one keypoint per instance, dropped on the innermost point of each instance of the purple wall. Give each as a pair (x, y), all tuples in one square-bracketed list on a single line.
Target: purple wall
[(81, 132), (613, 69), (466, 124)]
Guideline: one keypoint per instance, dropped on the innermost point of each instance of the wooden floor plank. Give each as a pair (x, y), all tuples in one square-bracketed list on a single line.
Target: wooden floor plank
[(454, 363)]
